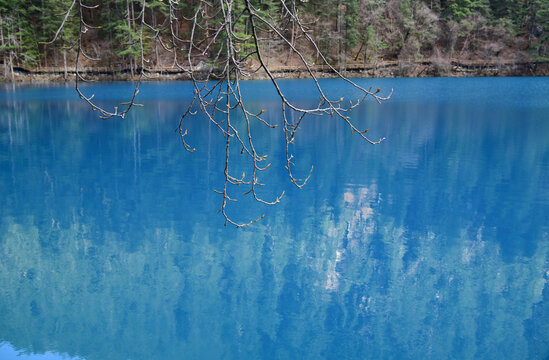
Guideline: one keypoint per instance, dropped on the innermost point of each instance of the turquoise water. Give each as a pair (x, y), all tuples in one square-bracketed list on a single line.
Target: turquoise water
[(431, 245)]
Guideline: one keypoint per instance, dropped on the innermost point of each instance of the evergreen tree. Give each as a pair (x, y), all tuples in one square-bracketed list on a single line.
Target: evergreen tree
[(351, 24), (459, 9), (358, 29), (540, 10)]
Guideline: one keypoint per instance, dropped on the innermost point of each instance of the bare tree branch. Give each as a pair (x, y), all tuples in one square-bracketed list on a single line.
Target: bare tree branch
[(223, 46)]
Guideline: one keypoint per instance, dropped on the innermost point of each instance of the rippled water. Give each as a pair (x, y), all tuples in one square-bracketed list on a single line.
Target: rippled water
[(431, 245)]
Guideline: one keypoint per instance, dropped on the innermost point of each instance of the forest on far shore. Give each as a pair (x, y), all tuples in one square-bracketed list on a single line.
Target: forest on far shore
[(346, 31)]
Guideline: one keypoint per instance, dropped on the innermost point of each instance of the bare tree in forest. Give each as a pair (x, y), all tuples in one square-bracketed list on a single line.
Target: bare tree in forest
[(224, 45)]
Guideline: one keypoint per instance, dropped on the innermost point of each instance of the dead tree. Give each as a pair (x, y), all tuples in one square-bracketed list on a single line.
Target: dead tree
[(231, 56)]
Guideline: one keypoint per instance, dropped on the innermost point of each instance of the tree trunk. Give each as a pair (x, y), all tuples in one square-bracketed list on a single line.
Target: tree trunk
[(44, 35), (108, 22), (359, 51), (155, 45), (339, 34), (130, 29), (5, 60), (292, 41), (65, 65), (20, 35), (11, 67)]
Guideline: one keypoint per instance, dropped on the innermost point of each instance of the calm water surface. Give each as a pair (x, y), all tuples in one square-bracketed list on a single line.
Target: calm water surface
[(432, 245)]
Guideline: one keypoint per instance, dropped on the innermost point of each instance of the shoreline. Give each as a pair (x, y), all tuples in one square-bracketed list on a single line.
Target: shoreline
[(382, 69)]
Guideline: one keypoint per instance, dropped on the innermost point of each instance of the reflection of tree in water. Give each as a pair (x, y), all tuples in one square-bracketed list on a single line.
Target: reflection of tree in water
[(206, 297), (118, 267), (451, 295)]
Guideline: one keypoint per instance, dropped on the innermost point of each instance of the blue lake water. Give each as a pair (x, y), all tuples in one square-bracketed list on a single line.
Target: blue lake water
[(431, 245)]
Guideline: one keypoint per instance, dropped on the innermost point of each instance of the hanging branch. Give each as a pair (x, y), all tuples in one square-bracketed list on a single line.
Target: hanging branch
[(229, 35)]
